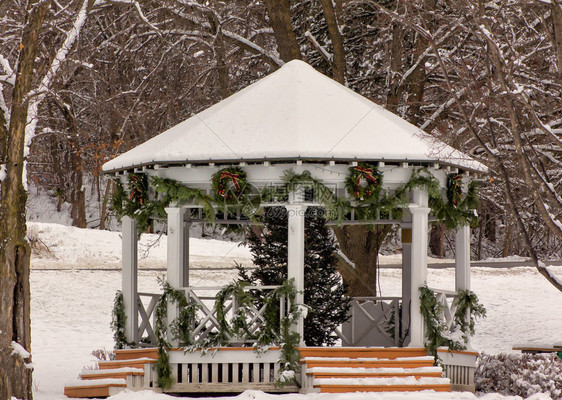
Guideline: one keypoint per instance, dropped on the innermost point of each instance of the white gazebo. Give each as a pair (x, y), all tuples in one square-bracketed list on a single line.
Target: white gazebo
[(295, 119)]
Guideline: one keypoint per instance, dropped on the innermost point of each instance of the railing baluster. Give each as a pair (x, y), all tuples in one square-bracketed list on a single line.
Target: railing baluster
[(397, 321)]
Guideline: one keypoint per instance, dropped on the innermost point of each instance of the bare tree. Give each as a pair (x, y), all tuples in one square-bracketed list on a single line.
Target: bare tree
[(29, 82), (15, 327)]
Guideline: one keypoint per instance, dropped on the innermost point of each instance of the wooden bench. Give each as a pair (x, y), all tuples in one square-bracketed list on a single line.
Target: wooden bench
[(540, 348)]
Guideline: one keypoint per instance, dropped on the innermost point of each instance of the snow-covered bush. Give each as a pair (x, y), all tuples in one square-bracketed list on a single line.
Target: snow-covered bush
[(519, 374)]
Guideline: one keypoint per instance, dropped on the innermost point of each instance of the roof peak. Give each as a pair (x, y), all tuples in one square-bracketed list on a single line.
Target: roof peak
[(293, 113)]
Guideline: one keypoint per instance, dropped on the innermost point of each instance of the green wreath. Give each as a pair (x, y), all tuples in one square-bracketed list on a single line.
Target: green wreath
[(364, 182), (138, 189), (229, 183), (454, 189)]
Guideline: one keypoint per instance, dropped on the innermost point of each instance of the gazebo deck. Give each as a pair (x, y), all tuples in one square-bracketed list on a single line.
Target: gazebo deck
[(233, 370)]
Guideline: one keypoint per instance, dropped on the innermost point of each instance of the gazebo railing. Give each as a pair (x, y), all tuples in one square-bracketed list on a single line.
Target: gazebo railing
[(207, 312), (373, 321), (206, 318), (448, 299), (146, 318)]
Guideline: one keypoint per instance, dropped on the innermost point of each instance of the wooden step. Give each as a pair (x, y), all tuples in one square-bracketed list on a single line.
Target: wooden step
[(94, 389), (356, 352), (131, 354), (368, 363), (117, 373), (381, 388), (317, 375), (382, 384), (132, 363)]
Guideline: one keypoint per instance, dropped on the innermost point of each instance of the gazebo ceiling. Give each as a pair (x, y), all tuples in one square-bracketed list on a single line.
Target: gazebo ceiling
[(295, 113)]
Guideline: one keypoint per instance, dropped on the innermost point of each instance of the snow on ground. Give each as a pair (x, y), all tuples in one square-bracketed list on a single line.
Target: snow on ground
[(67, 247), (71, 307)]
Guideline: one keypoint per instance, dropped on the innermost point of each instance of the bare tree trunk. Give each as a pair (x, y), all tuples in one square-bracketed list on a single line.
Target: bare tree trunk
[(361, 245), (556, 12), (279, 12), (77, 196), (515, 210), (103, 212), (15, 324), (338, 59), (396, 54), (222, 67), (437, 240)]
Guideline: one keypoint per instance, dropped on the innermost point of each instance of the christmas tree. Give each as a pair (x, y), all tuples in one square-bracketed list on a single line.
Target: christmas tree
[(324, 292)]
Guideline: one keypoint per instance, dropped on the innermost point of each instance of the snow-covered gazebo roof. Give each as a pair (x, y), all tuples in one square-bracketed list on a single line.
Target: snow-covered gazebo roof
[(295, 113)]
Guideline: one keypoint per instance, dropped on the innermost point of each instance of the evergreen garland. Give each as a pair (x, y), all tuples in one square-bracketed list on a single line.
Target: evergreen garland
[(238, 326), (336, 208), (179, 327), (272, 332), (138, 188), (118, 321), (468, 309), (163, 369), (454, 210), (435, 327), (136, 204), (290, 340), (172, 192), (167, 191)]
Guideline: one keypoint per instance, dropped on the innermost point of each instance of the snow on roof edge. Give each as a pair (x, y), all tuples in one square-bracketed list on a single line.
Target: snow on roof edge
[(439, 152), (471, 165)]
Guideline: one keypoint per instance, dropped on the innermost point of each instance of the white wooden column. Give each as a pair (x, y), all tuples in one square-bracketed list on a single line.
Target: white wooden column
[(462, 258), (175, 257), (186, 227), (420, 213), (406, 236), (295, 251), (129, 286)]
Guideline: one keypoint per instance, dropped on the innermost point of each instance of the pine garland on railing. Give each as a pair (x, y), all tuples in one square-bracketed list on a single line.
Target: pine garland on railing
[(435, 327), (180, 328), (468, 309), (163, 369), (118, 321), (238, 326), (289, 340), (275, 331)]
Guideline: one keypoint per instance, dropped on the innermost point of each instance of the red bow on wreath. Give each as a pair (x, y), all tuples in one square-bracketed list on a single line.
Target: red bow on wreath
[(457, 182), (136, 191), (367, 173), (235, 178)]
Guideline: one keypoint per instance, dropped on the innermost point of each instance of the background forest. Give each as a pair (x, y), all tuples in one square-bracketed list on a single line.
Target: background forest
[(483, 76)]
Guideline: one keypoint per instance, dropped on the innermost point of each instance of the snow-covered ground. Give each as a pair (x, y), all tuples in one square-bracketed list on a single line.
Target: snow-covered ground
[(72, 300)]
